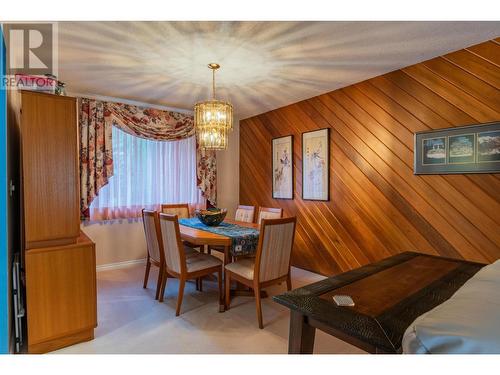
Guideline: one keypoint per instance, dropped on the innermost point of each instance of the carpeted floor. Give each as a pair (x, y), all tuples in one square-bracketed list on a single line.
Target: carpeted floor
[(131, 321)]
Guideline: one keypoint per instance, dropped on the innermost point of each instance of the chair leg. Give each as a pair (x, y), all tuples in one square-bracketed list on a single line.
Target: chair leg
[(146, 275), (289, 282), (201, 283), (219, 282), (158, 283), (179, 296), (258, 305), (227, 282), (163, 285)]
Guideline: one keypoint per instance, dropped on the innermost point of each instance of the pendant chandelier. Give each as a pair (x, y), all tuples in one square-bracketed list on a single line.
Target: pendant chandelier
[(213, 119)]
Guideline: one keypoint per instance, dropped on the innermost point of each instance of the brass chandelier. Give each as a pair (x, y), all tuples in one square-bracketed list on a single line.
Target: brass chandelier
[(213, 119)]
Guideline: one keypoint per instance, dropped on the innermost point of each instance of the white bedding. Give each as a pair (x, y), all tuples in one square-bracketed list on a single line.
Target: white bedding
[(469, 322)]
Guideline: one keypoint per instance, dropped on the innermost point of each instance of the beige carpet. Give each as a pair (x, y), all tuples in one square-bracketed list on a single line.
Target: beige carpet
[(131, 321)]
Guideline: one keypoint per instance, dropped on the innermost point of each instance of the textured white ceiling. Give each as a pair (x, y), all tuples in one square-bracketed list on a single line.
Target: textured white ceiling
[(265, 65)]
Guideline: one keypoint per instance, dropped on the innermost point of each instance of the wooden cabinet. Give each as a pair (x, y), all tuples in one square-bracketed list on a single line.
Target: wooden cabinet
[(50, 169), (59, 260), (61, 295)]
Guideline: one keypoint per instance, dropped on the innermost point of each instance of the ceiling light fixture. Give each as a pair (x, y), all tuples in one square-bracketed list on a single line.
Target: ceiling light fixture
[(213, 119)]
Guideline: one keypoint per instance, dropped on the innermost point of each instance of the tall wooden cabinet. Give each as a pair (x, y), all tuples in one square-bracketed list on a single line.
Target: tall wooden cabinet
[(59, 259), (49, 134)]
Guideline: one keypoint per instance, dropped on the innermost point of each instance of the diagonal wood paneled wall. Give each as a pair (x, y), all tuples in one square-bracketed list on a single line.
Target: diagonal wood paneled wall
[(378, 207)]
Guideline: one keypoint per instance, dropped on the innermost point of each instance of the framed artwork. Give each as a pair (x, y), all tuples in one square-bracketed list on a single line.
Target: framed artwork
[(316, 165), (466, 149), (282, 163)]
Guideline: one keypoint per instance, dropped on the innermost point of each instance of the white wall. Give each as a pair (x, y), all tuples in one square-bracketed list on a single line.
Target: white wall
[(117, 240), (123, 240)]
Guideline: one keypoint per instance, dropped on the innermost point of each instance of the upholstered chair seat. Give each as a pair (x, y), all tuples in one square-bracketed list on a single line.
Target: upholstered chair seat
[(243, 267), (197, 262)]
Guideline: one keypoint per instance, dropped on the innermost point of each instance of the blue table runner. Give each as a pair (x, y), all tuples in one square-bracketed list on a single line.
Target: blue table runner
[(244, 240)]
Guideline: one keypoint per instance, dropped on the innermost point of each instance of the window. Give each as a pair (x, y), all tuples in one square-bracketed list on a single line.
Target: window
[(147, 173)]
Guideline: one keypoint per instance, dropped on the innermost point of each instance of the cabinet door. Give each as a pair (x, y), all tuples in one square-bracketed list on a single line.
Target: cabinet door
[(60, 292), (50, 169)]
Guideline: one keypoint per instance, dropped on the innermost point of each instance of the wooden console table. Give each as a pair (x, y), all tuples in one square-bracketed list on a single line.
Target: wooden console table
[(388, 295)]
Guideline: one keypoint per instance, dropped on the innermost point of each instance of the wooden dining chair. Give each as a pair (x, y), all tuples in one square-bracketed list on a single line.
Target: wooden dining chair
[(245, 213), (155, 254), (269, 213), (182, 267), (182, 212), (179, 209), (154, 247), (271, 264)]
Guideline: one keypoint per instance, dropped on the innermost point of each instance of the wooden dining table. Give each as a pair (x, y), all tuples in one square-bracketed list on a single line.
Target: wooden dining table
[(199, 237)]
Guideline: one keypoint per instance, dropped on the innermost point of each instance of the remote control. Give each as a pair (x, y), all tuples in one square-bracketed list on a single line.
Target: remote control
[(342, 300)]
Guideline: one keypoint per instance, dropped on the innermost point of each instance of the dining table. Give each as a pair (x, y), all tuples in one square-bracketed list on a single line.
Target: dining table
[(203, 238), (200, 237)]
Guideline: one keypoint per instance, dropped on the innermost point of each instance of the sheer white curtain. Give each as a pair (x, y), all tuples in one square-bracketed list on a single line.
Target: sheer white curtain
[(147, 173)]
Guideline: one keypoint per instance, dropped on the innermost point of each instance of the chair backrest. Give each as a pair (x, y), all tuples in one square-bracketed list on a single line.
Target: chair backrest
[(269, 213), (152, 232), (275, 248), (179, 209), (172, 244), (245, 213)]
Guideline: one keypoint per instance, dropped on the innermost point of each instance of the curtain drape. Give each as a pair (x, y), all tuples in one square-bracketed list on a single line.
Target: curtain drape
[(146, 174), (96, 121), (96, 154), (206, 173)]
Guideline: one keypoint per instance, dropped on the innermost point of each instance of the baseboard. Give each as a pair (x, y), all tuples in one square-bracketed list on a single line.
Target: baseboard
[(125, 264)]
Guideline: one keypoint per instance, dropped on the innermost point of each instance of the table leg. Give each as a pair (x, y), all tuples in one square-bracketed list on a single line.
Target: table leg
[(301, 335), (226, 261), (226, 255)]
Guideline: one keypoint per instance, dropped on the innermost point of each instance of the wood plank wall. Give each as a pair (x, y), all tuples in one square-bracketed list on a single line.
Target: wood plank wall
[(378, 207)]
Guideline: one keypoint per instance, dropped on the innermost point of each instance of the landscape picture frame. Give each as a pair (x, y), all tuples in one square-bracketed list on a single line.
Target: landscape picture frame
[(316, 165), (459, 150), (282, 167)]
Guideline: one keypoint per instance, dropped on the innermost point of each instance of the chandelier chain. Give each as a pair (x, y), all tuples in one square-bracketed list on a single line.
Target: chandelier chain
[(213, 83)]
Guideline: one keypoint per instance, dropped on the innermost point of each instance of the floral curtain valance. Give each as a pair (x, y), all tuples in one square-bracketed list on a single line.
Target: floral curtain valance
[(149, 123), (96, 156)]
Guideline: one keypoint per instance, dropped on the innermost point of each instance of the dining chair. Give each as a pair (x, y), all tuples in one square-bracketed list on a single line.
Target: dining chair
[(245, 213), (182, 212), (271, 264), (181, 267), (269, 213), (155, 255), (154, 247), (179, 209)]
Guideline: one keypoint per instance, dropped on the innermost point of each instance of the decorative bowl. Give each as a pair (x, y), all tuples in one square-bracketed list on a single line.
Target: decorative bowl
[(212, 216)]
